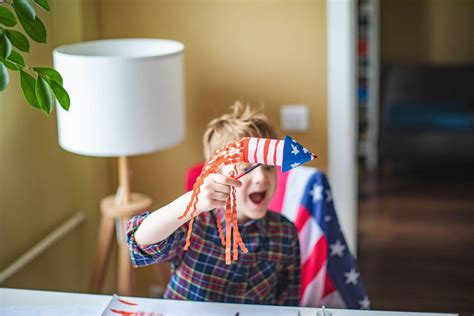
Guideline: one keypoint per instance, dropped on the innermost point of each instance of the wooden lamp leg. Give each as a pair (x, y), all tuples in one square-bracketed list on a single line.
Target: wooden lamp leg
[(124, 269), (104, 244), (124, 266), (121, 207)]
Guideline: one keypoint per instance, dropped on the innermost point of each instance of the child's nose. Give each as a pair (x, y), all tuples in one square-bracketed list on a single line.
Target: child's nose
[(259, 175)]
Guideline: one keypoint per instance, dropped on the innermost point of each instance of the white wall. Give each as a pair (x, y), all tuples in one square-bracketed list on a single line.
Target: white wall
[(342, 114)]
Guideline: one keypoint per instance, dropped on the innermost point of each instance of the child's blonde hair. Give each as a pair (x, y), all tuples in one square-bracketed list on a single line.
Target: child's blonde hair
[(241, 121)]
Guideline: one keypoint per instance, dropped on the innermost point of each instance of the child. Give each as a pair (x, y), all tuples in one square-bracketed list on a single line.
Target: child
[(268, 274)]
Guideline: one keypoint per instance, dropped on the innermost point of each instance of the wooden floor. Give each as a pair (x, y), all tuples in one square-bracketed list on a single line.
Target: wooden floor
[(416, 238)]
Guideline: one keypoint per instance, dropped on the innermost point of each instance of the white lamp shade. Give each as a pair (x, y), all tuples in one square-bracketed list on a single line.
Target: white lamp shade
[(127, 96)]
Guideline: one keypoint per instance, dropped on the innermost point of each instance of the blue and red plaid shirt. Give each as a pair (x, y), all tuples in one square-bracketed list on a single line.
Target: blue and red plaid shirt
[(268, 274)]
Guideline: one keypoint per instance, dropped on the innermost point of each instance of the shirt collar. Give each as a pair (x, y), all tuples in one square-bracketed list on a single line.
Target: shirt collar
[(259, 225)]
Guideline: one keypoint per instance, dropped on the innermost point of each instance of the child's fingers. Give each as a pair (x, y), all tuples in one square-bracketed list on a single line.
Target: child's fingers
[(218, 204), (212, 184), (221, 179), (222, 188), (210, 204), (218, 196)]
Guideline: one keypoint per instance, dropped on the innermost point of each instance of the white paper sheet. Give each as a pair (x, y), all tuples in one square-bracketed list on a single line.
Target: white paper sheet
[(118, 306)]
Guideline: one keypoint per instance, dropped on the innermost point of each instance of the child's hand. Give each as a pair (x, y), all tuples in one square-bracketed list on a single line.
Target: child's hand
[(214, 192)]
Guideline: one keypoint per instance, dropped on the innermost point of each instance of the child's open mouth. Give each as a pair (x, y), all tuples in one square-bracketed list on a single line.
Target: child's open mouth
[(257, 197)]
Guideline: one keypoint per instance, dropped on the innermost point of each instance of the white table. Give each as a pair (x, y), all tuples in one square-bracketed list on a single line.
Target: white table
[(31, 302)]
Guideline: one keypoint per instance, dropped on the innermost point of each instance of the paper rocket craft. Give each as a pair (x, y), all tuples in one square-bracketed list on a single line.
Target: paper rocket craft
[(287, 153)]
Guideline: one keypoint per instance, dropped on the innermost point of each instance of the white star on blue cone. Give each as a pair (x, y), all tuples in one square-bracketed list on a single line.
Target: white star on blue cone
[(294, 154), (294, 150)]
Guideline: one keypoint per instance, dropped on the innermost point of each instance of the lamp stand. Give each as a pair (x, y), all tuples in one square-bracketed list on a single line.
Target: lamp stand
[(118, 208)]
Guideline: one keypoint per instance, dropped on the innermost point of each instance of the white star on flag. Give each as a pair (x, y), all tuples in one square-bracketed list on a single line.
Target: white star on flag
[(295, 164), (295, 150), (317, 193), (337, 249), (328, 196), (365, 303), (352, 276), (327, 218), (305, 150)]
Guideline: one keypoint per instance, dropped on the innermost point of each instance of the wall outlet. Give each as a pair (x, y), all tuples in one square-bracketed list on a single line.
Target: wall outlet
[(294, 117)]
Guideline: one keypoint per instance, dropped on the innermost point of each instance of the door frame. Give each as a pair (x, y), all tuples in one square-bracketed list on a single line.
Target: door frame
[(342, 113)]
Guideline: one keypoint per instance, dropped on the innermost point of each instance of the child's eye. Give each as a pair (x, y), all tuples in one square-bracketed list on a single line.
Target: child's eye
[(269, 168)]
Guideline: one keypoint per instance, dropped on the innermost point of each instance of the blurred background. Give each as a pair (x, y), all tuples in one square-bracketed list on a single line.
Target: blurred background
[(416, 148), (415, 118)]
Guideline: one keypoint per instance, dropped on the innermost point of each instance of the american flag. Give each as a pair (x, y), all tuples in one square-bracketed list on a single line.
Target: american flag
[(329, 275)]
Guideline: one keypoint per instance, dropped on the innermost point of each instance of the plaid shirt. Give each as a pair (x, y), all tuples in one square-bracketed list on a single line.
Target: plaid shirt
[(268, 274)]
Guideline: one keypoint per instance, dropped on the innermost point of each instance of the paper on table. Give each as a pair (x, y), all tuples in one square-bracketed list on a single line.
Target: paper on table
[(118, 306)]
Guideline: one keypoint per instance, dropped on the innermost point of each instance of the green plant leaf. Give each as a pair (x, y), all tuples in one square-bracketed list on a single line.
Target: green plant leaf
[(43, 3), (18, 40), (61, 94), (35, 29), (5, 45), (50, 73), (44, 95), (4, 77), (28, 84), (9, 64), (6, 17), (25, 8), (17, 59)]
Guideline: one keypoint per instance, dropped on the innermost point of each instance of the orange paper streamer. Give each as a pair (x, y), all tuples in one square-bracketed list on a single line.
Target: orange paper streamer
[(230, 154)]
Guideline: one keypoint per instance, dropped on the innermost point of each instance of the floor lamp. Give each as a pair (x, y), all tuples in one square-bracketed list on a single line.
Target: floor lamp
[(127, 99)]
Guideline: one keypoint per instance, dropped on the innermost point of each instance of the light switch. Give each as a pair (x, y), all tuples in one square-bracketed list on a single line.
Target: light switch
[(294, 117)]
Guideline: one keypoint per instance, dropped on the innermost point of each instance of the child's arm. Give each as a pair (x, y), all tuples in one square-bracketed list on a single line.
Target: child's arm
[(163, 222)]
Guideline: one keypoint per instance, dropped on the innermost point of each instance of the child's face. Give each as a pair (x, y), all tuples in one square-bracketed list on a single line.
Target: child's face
[(256, 192)]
